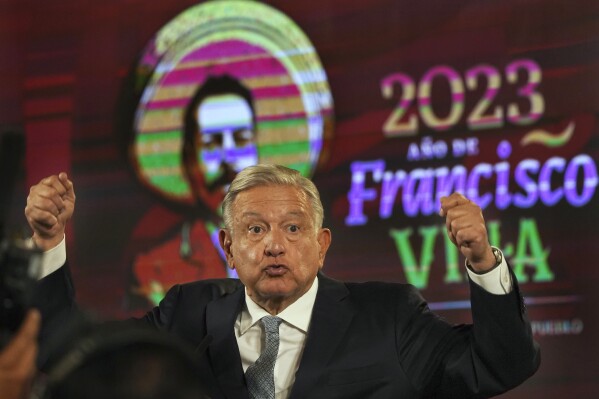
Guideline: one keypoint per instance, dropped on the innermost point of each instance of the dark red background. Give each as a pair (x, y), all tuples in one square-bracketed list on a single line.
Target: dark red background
[(63, 65)]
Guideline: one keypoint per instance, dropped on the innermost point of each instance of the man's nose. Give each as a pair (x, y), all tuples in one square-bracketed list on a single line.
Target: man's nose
[(275, 244)]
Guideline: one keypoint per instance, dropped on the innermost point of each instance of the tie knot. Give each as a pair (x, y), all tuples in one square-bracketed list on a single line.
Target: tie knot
[(271, 324)]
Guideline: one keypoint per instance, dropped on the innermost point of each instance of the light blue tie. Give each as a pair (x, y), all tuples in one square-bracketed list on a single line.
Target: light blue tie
[(260, 375)]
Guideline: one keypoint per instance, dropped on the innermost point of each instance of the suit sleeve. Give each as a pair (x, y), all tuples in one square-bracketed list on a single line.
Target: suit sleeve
[(162, 316), (55, 299), (494, 354)]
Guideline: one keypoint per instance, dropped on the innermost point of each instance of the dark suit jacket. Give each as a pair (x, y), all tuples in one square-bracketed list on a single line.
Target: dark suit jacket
[(366, 340)]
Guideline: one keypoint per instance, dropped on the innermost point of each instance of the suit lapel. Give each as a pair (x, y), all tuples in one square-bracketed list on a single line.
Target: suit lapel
[(331, 317), (223, 350)]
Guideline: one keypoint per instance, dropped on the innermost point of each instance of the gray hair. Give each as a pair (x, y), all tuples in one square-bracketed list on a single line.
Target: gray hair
[(271, 175)]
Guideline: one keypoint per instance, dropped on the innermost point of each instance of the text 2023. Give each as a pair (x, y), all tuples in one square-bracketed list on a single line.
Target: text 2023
[(486, 114)]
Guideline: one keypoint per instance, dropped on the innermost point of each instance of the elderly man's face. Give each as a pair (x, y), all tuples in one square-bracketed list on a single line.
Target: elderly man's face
[(274, 245)]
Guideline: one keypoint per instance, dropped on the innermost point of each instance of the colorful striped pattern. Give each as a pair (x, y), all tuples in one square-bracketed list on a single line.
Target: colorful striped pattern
[(253, 43)]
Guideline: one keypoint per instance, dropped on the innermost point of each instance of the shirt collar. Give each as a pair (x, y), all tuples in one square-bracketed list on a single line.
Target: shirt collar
[(298, 314)]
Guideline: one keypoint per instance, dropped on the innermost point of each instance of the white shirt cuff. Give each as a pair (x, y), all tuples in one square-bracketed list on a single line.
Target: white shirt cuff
[(498, 281), (54, 258)]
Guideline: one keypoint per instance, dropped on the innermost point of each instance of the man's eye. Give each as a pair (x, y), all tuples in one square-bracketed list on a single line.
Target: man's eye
[(256, 229), (293, 228)]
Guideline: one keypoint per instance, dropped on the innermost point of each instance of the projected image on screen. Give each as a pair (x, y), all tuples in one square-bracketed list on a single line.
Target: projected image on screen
[(225, 86), (223, 134), (220, 137)]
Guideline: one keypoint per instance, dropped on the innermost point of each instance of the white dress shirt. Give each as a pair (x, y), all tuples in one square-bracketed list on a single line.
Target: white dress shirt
[(292, 332), (53, 259)]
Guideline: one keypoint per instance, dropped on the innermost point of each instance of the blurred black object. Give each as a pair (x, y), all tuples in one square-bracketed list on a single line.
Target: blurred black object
[(20, 261), (20, 264), (118, 360), (12, 151)]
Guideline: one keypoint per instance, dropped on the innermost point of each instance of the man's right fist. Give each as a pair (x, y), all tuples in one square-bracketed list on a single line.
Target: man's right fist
[(50, 205)]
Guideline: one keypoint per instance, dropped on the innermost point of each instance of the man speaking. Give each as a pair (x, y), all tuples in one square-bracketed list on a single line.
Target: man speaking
[(285, 330)]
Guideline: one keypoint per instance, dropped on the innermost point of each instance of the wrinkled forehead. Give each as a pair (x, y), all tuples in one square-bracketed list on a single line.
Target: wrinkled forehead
[(267, 197), (224, 111)]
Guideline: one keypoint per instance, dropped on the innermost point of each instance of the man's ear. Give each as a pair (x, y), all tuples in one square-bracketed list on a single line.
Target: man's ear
[(324, 242), (224, 238)]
